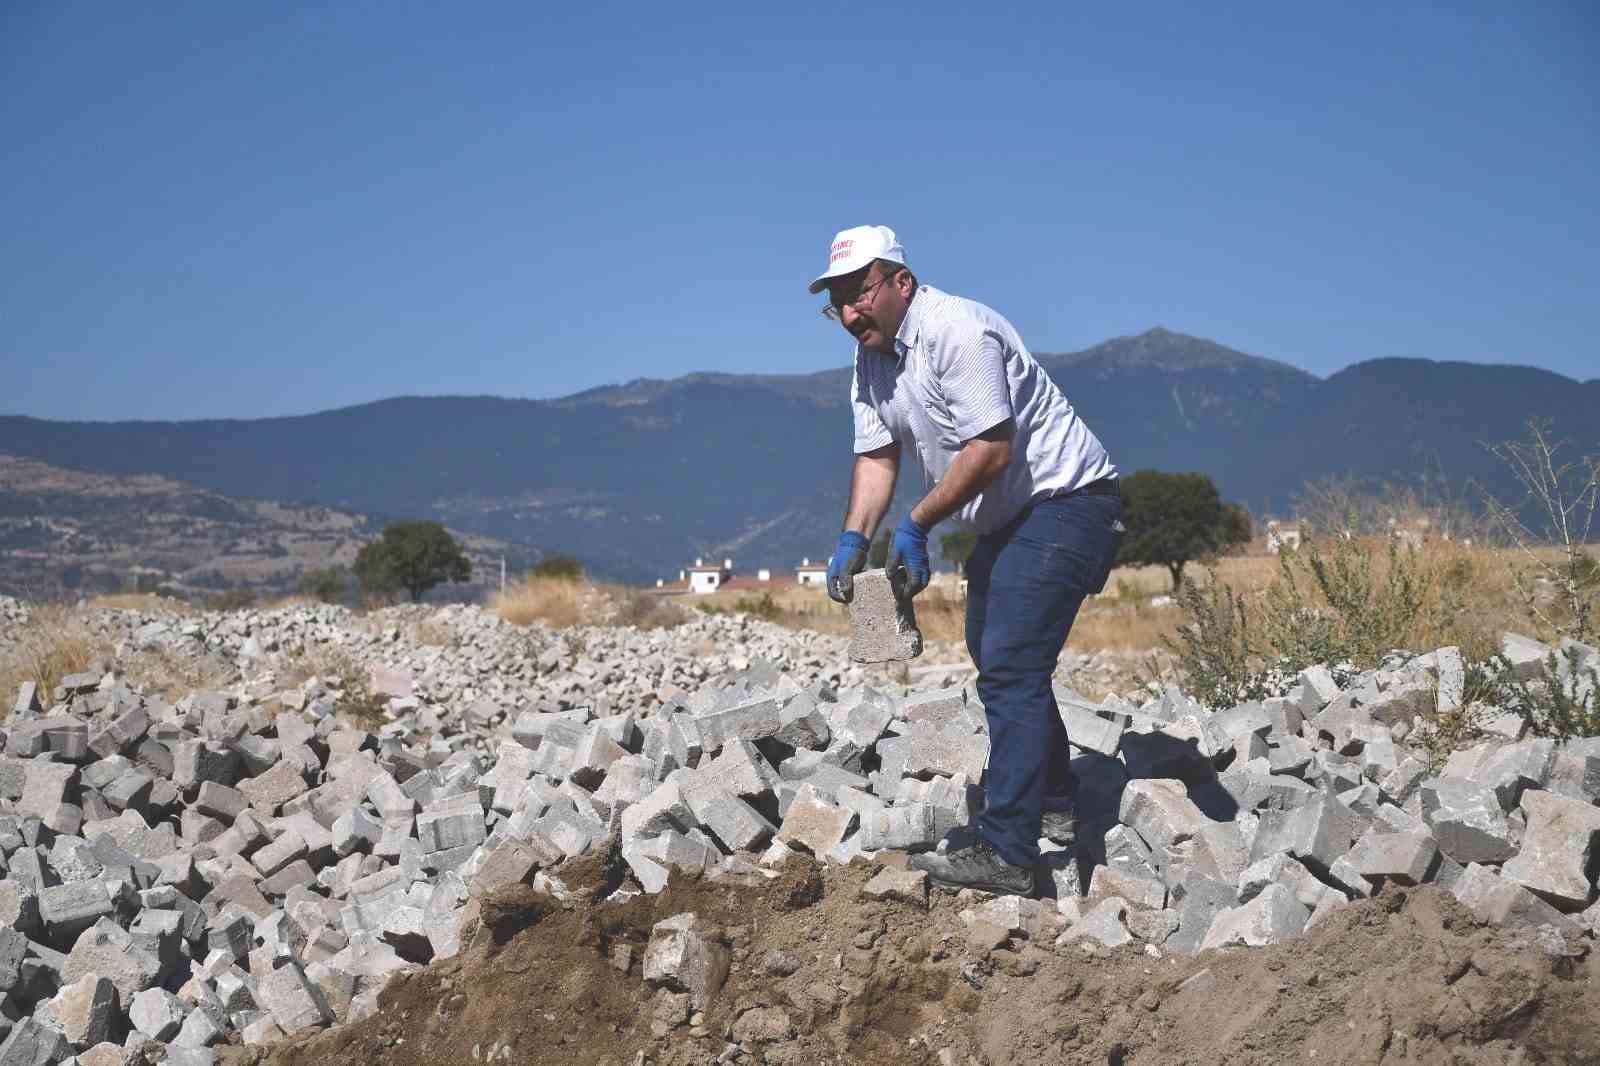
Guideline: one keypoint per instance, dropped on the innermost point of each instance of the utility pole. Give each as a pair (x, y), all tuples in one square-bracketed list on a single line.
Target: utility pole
[(502, 575)]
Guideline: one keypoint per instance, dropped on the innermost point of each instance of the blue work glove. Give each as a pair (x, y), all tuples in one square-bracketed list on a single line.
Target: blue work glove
[(909, 567), (849, 559)]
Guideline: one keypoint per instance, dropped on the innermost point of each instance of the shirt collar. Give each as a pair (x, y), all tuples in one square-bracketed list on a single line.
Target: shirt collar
[(910, 326)]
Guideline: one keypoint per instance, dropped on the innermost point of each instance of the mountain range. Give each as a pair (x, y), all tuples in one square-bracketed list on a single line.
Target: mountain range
[(638, 479)]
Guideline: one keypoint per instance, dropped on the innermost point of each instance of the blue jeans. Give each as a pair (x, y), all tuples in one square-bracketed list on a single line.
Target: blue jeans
[(1025, 583)]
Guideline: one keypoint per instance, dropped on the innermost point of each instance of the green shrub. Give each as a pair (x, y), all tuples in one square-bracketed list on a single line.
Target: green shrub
[(1563, 702), (561, 567)]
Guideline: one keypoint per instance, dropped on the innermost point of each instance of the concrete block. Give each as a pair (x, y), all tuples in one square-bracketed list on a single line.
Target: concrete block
[(221, 802), (687, 956), (157, 1013), (740, 768), (903, 828), (1495, 900), (198, 761), (274, 856), (33, 1044), (1160, 811), (1467, 820), (1200, 900), (751, 720), (907, 886), (883, 628), (107, 950), (1404, 858), (355, 831), (67, 910), (1136, 888), (1526, 655), (440, 830), (1558, 850), (1088, 730), (85, 1011), (1269, 918), (664, 808), (739, 826), (1101, 925), (814, 823), (1317, 833), (292, 1000), (272, 789)]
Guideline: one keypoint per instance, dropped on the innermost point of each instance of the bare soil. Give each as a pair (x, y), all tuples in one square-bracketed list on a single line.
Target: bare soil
[(823, 975)]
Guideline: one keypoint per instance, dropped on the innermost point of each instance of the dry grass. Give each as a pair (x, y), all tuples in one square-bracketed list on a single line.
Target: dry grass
[(54, 642), (141, 601), (554, 601), (173, 675), (336, 666), (1472, 599), (432, 634)]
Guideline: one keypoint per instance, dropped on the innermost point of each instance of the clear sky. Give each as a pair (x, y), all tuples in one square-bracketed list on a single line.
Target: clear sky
[(242, 209)]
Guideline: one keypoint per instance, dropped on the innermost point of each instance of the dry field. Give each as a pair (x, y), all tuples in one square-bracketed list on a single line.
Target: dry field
[(1469, 595)]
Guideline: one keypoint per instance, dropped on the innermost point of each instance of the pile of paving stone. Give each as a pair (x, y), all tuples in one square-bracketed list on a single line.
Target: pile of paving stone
[(246, 862)]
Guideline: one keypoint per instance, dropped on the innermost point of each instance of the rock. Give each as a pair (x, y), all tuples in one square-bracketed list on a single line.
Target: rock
[(908, 886), (86, 1011), (686, 955), (1102, 925), (1160, 811), (1466, 820), (883, 628), (1271, 917), (1558, 849), (814, 823)]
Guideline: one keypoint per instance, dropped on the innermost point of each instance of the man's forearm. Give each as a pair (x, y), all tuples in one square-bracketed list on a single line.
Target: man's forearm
[(871, 488), (979, 462)]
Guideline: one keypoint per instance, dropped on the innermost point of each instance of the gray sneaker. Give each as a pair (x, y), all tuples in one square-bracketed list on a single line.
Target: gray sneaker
[(978, 866)]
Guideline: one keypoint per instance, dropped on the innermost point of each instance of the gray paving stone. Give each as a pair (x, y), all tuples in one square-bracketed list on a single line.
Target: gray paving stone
[(882, 627), (1467, 820), (33, 1044), (1556, 859), (686, 955), (1269, 918), (1160, 811), (815, 823)]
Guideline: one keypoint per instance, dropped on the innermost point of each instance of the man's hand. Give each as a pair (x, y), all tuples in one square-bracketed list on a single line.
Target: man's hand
[(909, 567), (849, 559)]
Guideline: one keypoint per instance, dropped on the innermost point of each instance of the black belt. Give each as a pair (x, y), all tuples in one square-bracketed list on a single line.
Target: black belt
[(1106, 486)]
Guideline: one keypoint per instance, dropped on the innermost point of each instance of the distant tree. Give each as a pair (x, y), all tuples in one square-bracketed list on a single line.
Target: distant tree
[(231, 600), (1236, 527), (1173, 518), (561, 567), (414, 556), (957, 547), (328, 584)]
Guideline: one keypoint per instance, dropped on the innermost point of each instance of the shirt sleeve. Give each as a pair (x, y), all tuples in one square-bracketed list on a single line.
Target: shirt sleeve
[(971, 367), (871, 433)]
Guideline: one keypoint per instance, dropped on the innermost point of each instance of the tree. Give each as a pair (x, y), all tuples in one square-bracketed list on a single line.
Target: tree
[(325, 583), (414, 556), (957, 547), (562, 567), (1173, 518)]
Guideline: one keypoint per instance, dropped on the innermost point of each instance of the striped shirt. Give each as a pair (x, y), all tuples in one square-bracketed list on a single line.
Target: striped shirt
[(961, 369)]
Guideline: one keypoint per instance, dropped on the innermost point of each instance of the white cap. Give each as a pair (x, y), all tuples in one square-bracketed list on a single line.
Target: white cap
[(854, 248)]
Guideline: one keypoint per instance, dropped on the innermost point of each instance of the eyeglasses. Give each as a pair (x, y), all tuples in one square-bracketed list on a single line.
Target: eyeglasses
[(835, 312)]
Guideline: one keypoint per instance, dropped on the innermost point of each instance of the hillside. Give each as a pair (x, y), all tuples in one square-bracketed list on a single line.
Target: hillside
[(65, 531), (641, 477)]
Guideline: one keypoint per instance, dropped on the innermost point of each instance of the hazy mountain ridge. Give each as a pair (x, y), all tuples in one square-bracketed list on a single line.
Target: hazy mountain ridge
[(641, 477)]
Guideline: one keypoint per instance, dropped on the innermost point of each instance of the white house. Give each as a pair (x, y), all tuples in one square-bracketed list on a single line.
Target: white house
[(810, 573), (706, 578), (1281, 536)]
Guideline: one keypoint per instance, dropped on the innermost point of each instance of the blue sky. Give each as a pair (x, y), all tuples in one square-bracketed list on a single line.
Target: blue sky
[(236, 210)]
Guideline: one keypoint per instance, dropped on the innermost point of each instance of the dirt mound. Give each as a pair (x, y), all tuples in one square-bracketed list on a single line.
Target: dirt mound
[(822, 975)]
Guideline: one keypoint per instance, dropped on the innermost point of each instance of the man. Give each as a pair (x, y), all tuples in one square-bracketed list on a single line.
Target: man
[(1004, 452)]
